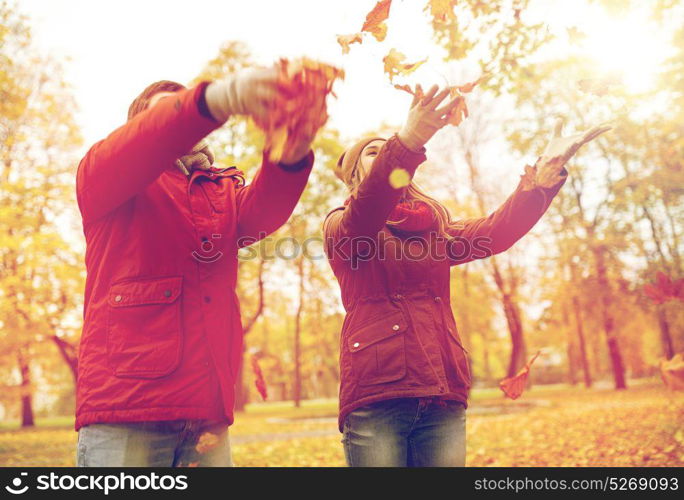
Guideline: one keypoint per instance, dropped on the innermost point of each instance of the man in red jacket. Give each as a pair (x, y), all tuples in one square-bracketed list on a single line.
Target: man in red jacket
[(162, 337)]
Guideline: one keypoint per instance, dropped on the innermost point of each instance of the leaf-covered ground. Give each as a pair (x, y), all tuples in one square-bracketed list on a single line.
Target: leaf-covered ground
[(545, 427)]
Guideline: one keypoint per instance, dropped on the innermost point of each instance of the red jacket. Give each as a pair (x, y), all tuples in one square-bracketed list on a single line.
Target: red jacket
[(162, 337), (399, 337)]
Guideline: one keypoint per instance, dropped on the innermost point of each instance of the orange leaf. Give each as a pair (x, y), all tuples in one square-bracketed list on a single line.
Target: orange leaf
[(346, 40), (299, 110), (513, 387), (529, 178), (672, 372), (459, 113), (468, 87), (395, 65), (375, 20), (441, 10), (206, 442)]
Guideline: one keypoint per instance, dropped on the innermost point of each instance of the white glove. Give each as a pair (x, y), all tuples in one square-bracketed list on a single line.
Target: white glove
[(425, 118), (550, 166), (249, 92)]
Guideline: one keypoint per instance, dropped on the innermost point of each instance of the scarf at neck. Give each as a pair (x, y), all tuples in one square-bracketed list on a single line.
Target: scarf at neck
[(410, 217)]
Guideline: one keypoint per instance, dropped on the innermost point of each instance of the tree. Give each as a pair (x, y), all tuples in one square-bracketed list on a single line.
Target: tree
[(39, 269)]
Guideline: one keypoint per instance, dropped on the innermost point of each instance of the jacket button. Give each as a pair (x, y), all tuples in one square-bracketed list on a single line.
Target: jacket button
[(395, 327), (438, 299), (118, 298), (167, 293), (356, 344)]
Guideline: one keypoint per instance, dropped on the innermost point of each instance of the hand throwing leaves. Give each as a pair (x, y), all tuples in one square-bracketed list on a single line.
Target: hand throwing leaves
[(550, 167)]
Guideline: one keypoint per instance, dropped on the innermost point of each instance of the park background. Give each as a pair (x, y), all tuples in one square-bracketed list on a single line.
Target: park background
[(575, 288)]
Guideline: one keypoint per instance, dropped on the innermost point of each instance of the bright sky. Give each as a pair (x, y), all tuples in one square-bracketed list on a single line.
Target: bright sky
[(115, 49)]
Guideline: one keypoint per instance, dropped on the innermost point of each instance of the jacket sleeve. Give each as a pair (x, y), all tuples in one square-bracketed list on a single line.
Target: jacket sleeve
[(268, 201), (117, 168), (367, 212), (478, 238)]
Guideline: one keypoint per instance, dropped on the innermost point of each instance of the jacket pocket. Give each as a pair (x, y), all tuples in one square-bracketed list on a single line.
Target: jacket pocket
[(144, 327), (460, 357), (377, 350)]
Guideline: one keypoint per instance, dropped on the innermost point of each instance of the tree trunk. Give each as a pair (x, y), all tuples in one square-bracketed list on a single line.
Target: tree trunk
[(297, 392), (608, 322), (241, 389), (582, 343), (26, 391), (518, 348), (665, 335), (69, 354)]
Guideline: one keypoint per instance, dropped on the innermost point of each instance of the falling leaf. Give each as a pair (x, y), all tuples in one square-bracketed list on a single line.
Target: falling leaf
[(441, 10), (514, 386), (259, 381), (468, 87), (395, 65), (672, 372), (406, 88), (665, 289), (206, 442), (529, 178), (399, 178), (459, 113), (346, 40), (375, 20), (299, 110)]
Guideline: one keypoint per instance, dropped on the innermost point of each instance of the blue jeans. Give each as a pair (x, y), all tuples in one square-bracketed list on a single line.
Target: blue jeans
[(406, 432), (173, 443)]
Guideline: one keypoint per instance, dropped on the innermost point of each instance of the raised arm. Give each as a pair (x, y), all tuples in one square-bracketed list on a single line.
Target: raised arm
[(368, 209), (269, 200), (482, 237), (134, 155)]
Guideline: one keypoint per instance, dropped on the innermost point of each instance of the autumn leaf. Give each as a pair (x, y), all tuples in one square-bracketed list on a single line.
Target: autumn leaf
[(468, 87), (206, 442), (395, 65), (514, 386), (665, 289), (441, 10), (259, 381), (299, 110), (672, 372), (529, 178), (346, 40), (375, 20)]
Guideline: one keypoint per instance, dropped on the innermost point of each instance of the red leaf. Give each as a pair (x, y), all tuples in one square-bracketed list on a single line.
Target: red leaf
[(375, 20), (514, 386), (665, 289)]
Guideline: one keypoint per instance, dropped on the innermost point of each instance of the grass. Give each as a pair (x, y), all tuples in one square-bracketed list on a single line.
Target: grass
[(547, 426)]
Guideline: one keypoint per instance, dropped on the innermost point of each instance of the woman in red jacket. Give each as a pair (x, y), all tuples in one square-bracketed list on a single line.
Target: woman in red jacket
[(405, 374)]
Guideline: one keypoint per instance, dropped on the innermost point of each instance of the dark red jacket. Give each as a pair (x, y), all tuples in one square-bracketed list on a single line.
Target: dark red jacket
[(399, 337), (162, 337)]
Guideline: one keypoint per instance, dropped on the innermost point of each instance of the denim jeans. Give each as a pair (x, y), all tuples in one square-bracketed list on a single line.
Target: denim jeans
[(173, 443), (406, 432)]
